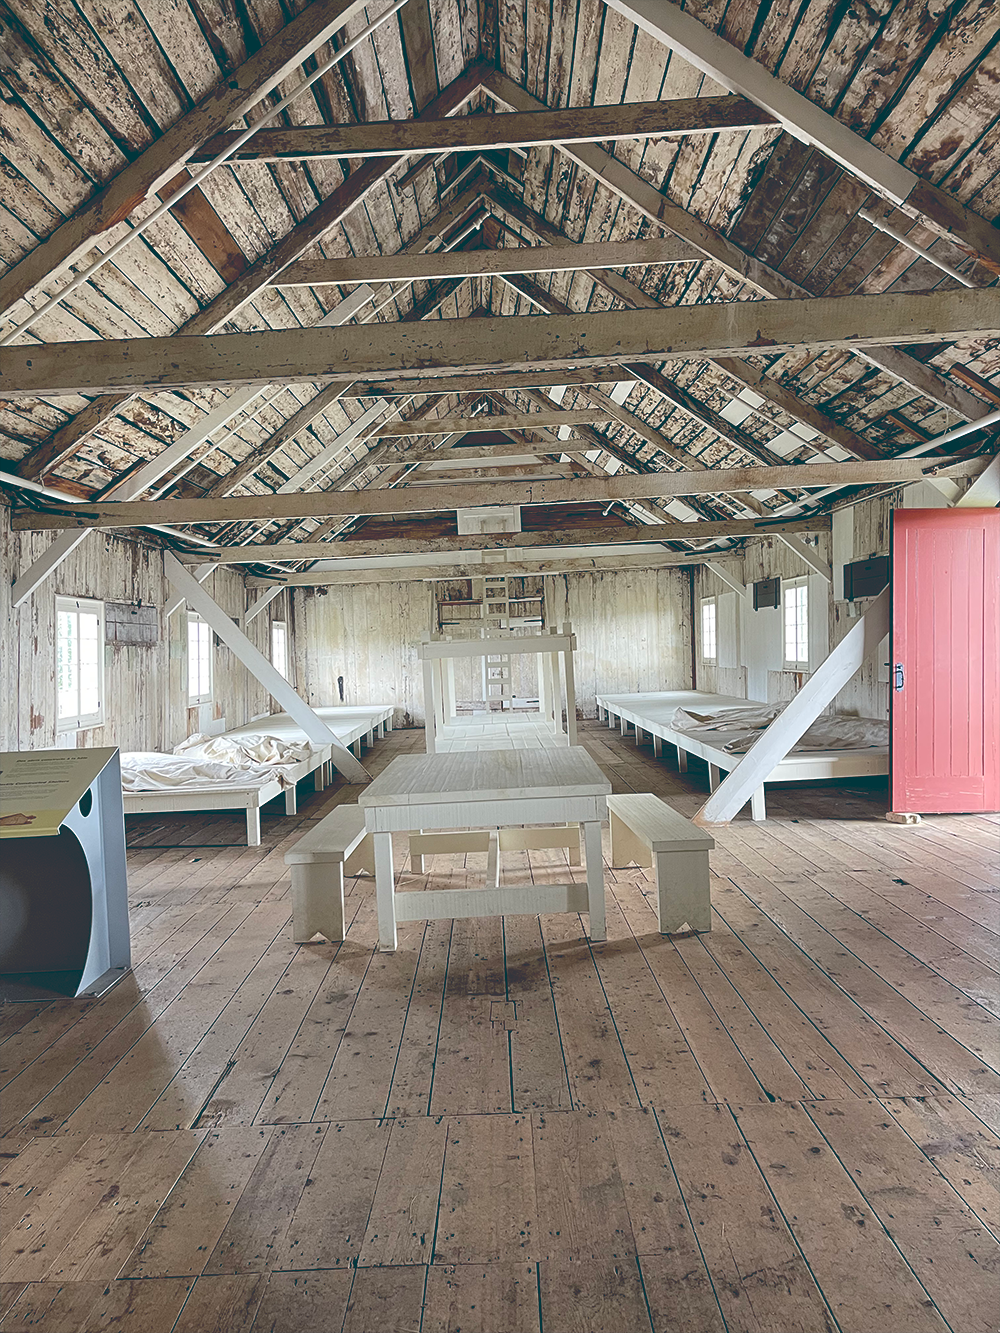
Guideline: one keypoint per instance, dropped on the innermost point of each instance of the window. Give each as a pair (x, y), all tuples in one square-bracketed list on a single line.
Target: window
[(279, 647), (199, 660), (795, 600), (79, 663), (709, 644)]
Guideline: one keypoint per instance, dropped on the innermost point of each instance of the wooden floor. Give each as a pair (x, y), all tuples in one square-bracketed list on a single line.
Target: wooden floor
[(788, 1124)]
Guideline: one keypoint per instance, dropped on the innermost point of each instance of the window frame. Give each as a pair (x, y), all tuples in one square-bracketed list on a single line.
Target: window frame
[(281, 625), (790, 589), (80, 721), (196, 700), (709, 659)]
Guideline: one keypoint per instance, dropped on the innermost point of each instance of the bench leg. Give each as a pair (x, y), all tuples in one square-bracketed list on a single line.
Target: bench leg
[(682, 891), (318, 901), (291, 802), (757, 810), (253, 826), (385, 892), (362, 859), (625, 846), (595, 880)]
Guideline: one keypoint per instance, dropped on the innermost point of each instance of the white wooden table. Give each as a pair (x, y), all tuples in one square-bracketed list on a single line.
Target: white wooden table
[(486, 789)]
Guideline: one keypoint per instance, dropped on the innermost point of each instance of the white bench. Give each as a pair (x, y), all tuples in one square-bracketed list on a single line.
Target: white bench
[(337, 846), (647, 831)]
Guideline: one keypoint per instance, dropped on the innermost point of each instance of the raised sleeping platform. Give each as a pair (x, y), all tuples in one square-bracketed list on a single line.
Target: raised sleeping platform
[(653, 713), (353, 727)]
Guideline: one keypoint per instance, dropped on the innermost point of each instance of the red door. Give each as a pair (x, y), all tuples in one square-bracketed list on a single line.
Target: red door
[(945, 669)]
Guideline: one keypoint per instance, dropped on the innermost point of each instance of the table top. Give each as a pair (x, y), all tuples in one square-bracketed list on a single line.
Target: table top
[(486, 775)]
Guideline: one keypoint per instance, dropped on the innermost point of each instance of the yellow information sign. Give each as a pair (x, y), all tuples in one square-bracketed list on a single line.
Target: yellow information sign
[(38, 788)]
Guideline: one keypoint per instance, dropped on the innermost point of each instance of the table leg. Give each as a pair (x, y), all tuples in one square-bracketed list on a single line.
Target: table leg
[(385, 889), (595, 879)]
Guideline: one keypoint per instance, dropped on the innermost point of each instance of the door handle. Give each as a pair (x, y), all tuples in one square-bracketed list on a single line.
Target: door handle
[(898, 676)]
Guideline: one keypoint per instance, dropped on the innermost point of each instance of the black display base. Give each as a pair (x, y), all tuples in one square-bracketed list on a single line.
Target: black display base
[(20, 987)]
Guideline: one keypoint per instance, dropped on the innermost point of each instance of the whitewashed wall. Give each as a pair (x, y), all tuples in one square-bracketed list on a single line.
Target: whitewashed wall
[(364, 636), (145, 688), (632, 629)]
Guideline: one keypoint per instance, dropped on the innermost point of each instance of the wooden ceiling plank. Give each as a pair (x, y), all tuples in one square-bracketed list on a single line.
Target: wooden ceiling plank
[(468, 134), (232, 97), (325, 504), (714, 56), (396, 352), (70, 437), (641, 195)]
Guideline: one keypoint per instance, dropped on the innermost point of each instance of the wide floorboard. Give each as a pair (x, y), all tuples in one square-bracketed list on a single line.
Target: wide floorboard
[(791, 1123)]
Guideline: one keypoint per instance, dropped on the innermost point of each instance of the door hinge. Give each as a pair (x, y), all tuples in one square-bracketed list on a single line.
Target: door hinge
[(898, 676)]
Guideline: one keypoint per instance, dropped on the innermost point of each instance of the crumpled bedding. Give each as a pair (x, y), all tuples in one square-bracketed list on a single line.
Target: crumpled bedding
[(243, 751), (739, 728), (148, 770)]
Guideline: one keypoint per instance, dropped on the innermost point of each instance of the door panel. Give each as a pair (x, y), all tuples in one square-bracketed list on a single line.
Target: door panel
[(945, 675)]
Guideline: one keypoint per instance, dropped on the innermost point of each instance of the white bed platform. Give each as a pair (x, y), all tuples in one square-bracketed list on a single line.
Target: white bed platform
[(353, 726), (651, 713)]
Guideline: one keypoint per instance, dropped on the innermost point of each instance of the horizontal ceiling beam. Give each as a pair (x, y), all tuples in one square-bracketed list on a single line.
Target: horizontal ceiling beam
[(487, 263), (610, 534), (683, 333), (483, 133), (622, 486), (428, 573), (472, 425)]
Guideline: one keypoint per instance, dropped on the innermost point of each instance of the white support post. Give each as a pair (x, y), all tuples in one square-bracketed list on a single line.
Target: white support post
[(201, 573), (259, 667), (568, 671), (807, 555), (430, 707), (263, 599), (824, 684)]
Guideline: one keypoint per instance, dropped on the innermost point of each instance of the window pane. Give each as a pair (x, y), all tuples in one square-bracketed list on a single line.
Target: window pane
[(67, 662), (796, 619)]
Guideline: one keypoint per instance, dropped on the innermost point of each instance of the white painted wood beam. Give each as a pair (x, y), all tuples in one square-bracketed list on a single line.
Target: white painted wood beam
[(984, 493), (478, 424), (807, 555), (261, 602), (257, 664), (200, 574), (723, 574), (395, 351), (829, 678), (804, 120)]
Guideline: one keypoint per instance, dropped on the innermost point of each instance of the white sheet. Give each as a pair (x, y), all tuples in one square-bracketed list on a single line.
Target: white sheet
[(743, 726), (148, 770), (243, 751)]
